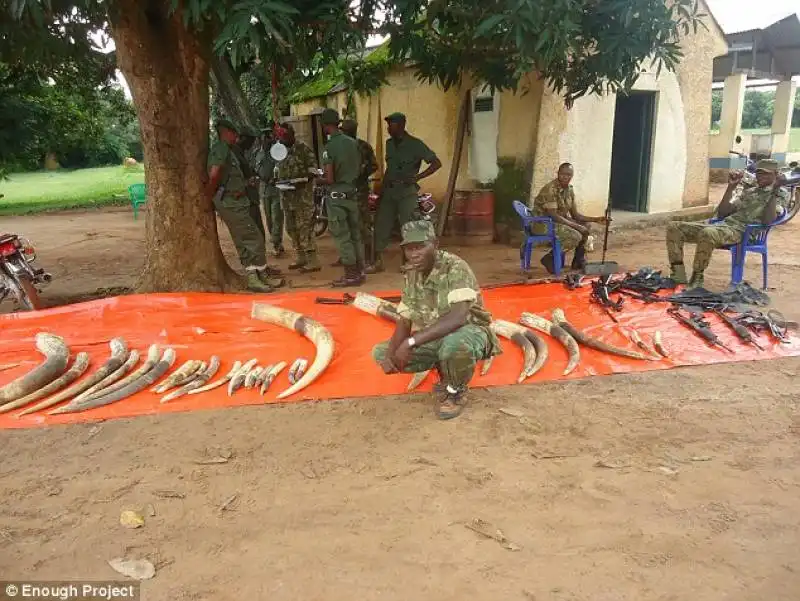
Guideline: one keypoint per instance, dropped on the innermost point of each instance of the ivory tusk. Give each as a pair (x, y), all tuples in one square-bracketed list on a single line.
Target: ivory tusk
[(179, 376), (542, 351), (56, 356), (657, 342), (152, 358), (160, 368), (263, 376), (515, 334), (311, 329), (224, 380), (560, 319), (106, 382), (238, 378), (205, 376), (119, 351), (252, 376), (539, 323), (273, 373), (73, 373)]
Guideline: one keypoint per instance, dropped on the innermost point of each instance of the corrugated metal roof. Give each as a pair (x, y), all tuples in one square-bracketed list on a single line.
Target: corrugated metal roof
[(770, 53)]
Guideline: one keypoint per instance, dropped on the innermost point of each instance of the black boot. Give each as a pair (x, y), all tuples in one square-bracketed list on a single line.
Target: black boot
[(579, 260), (547, 261), (352, 277)]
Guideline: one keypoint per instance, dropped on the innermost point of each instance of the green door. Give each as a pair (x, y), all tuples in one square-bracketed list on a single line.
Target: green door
[(631, 151)]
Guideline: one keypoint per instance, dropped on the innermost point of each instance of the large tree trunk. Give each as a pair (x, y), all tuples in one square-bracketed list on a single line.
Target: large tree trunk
[(166, 66), (230, 92)]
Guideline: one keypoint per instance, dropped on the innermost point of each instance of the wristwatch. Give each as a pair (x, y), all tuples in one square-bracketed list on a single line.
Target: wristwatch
[(411, 342)]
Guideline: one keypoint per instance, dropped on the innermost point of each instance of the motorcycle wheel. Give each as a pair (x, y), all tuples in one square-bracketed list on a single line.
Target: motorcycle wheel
[(321, 222)]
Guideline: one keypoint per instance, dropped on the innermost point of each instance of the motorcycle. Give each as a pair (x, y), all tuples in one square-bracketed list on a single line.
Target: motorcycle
[(18, 278), (425, 205)]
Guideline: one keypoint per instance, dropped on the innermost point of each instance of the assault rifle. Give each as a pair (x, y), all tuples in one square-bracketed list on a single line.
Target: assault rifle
[(700, 326), (742, 332)]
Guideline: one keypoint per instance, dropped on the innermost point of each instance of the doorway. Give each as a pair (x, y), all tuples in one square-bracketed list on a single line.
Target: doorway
[(631, 151)]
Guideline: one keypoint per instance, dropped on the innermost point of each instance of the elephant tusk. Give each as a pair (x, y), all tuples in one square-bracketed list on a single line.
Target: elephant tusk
[(657, 342), (119, 351), (542, 351), (515, 334), (56, 356), (273, 373), (73, 373), (130, 361), (180, 376), (252, 376), (561, 320), (160, 368), (205, 376), (539, 323), (311, 329), (237, 379), (224, 380), (152, 358)]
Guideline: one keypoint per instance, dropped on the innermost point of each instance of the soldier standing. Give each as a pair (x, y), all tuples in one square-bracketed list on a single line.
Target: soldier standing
[(404, 155), (246, 153), (369, 165), (227, 187), (443, 325), (342, 164), (298, 204), (270, 196)]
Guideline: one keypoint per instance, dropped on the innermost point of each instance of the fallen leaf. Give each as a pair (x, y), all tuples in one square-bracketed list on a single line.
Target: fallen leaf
[(609, 464), (228, 502), (484, 528), (138, 569), (511, 412), (131, 519)]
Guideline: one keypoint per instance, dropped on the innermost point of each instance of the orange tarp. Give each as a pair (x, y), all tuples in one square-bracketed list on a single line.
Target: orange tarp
[(200, 325)]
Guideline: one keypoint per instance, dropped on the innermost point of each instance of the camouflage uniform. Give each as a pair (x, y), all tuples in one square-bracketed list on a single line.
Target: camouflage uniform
[(234, 207), (298, 205), (749, 210), (554, 197), (246, 162), (270, 198), (425, 300)]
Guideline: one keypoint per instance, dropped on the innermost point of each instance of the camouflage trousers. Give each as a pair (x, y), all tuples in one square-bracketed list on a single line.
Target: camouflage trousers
[(298, 210), (568, 237), (365, 218), (271, 201), (706, 236), (239, 216), (344, 222), (455, 355), (397, 203)]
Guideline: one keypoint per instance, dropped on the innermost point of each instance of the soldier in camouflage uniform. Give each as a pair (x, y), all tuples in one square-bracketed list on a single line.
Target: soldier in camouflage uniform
[(404, 156), (445, 324), (245, 151), (557, 200), (270, 195), (227, 187), (298, 204), (756, 205), (369, 165)]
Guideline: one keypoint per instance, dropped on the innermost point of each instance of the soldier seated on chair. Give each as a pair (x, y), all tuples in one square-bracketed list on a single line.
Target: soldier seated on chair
[(557, 200), (756, 205), (444, 323)]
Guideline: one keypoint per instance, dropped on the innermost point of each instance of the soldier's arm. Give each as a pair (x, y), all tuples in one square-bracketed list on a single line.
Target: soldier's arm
[(549, 204), (726, 207), (771, 209), (328, 175), (217, 160)]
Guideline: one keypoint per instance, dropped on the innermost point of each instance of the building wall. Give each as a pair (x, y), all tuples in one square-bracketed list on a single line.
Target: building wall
[(519, 119)]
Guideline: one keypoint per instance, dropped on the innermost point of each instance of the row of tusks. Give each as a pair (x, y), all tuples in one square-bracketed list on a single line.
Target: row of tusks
[(51, 382), (534, 349)]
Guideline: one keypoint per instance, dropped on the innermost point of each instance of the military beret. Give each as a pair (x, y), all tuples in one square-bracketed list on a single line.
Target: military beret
[(395, 118), (330, 117), (227, 124), (770, 165), (417, 231)]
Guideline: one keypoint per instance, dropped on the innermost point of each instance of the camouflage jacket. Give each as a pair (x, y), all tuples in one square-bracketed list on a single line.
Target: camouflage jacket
[(424, 301), (750, 206), (553, 197), (369, 164), (298, 162)]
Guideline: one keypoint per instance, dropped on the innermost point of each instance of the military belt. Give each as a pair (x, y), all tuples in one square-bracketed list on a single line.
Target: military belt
[(337, 195)]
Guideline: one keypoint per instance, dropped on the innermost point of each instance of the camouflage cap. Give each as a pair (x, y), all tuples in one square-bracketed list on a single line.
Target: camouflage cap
[(330, 117), (395, 118), (417, 231), (227, 124), (770, 165)]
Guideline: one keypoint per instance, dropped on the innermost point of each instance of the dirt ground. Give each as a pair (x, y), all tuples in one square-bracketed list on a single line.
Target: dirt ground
[(695, 497)]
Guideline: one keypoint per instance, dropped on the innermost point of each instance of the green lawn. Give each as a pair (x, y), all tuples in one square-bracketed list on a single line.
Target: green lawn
[(57, 190)]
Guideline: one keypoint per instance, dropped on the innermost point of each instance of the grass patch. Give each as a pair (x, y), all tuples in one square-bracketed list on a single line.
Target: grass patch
[(41, 191), (794, 136)]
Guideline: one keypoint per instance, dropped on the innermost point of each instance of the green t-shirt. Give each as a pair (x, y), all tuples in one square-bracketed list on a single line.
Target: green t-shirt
[(232, 177), (404, 157), (342, 152)]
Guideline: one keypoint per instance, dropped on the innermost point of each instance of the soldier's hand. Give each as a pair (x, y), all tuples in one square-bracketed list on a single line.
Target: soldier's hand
[(734, 177), (388, 366)]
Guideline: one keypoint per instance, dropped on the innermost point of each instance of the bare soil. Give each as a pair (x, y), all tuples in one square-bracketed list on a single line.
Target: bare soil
[(665, 486)]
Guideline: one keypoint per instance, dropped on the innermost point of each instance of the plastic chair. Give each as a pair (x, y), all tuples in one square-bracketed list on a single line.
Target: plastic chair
[(754, 240), (138, 196), (531, 239)]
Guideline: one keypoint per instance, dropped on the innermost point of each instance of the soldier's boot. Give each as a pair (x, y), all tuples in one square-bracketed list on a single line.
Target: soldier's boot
[(312, 263), (360, 271), (270, 278), (547, 262), (300, 262), (352, 277), (579, 260), (697, 280), (256, 284), (376, 267), (677, 273), (271, 272)]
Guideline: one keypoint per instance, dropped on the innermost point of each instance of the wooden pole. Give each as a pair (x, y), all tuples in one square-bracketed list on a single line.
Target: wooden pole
[(461, 130)]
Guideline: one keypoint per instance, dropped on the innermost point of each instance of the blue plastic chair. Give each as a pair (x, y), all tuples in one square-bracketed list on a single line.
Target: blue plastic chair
[(754, 240), (532, 240), (138, 196)]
